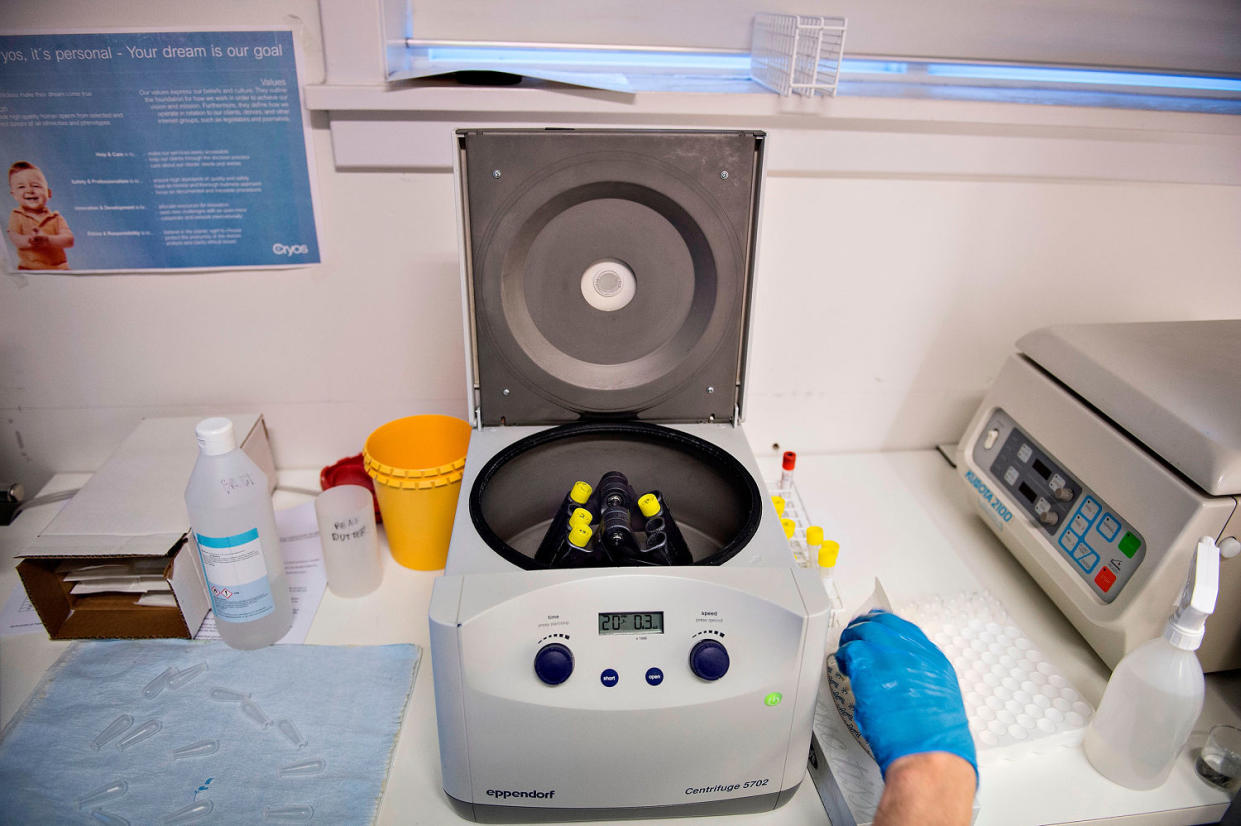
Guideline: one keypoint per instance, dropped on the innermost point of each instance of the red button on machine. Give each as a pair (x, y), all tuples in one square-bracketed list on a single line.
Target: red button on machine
[(1105, 579)]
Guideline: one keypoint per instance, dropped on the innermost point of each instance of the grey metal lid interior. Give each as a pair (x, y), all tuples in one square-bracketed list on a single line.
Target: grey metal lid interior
[(608, 272), (1174, 386)]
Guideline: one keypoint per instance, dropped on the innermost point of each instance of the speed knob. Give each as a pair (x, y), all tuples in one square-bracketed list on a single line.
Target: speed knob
[(553, 663), (708, 659)]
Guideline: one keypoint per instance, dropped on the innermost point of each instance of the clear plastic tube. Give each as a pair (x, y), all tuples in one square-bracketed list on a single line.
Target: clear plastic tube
[(103, 794), (157, 685), (109, 819), (188, 675), (200, 749), (114, 728), (227, 695), (148, 729), (289, 814), (290, 731), (255, 713), (305, 768), (190, 814)]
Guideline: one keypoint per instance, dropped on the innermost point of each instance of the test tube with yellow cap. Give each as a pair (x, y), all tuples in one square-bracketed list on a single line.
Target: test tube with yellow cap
[(577, 496), (829, 551), (577, 552)]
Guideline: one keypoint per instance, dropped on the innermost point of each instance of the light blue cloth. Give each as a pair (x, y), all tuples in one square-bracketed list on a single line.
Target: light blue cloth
[(347, 702)]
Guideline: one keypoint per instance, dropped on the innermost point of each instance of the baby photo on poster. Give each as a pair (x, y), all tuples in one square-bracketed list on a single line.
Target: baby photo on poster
[(134, 151)]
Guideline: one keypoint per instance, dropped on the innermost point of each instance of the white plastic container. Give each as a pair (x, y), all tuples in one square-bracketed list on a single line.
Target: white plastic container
[(1155, 693), (233, 522)]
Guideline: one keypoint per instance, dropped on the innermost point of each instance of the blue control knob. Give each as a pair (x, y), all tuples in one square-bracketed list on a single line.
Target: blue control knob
[(554, 663), (708, 659)]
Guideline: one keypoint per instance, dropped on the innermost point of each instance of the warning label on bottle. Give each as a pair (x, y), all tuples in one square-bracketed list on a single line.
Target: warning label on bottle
[(236, 576)]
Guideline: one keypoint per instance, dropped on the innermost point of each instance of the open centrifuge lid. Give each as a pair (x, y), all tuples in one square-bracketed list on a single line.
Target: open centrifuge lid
[(607, 272)]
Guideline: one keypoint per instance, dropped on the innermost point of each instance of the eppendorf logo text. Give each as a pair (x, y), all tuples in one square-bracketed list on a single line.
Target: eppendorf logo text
[(504, 794)]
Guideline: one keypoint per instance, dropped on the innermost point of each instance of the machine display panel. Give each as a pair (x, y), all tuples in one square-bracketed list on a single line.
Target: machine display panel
[(632, 622)]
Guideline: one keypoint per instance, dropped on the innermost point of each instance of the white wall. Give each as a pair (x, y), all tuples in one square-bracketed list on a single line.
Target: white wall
[(886, 300)]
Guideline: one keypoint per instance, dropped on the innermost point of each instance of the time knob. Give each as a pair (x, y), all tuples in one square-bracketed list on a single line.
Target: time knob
[(553, 663)]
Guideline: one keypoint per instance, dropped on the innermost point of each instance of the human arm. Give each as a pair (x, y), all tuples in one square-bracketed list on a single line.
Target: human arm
[(909, 711), (929, 789)]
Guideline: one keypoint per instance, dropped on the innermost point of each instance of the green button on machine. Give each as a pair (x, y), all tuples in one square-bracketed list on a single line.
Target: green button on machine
[(1129, 544)]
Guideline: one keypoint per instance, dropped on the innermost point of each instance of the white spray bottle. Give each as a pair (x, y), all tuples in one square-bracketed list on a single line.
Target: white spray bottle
[(1155, 694)]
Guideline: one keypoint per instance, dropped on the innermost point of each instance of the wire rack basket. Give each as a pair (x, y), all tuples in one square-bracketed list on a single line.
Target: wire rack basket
[(797, 54)]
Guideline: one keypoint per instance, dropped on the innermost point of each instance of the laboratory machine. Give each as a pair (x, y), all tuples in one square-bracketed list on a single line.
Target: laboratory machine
[(1100, 456), (607, 279)]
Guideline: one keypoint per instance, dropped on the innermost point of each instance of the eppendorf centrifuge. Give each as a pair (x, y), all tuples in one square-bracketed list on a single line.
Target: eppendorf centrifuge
[(607, 282)]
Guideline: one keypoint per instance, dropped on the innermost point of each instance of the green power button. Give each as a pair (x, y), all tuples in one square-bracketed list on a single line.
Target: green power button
[(773, 699)]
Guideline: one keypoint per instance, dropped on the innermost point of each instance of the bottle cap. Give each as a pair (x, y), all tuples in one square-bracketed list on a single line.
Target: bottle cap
[(580, 516), (580, 492), (580, 535), (1187, 625), (790, 459), (778, 501), (649, 505), (814, 536), (828, 552), (790, 527), (215, 436)]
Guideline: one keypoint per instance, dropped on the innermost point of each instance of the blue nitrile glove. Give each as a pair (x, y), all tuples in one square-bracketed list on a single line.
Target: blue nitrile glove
[(907, 697)]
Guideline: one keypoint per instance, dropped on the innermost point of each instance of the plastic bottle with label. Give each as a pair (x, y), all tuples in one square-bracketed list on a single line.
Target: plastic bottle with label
[(1155, 693), (234, 525)]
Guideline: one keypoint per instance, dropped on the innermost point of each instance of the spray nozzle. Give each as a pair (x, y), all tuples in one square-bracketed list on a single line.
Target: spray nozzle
[(1197, 602)]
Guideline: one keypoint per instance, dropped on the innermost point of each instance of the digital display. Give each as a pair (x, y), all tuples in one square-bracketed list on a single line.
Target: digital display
[(632, 622)]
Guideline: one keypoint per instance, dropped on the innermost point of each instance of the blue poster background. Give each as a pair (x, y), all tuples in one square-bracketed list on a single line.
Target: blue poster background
[(163, 150)]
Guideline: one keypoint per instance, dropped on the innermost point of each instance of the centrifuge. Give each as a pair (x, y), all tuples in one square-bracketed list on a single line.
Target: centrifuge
[(607, 281)]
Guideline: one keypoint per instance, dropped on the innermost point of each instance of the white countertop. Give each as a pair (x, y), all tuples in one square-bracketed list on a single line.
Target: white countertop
[(899, 516)]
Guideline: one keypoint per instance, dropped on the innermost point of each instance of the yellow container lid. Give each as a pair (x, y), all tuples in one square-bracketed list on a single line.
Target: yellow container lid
[(421, 483), (828, 552), (580, 516), (790, 527), (417, 446)]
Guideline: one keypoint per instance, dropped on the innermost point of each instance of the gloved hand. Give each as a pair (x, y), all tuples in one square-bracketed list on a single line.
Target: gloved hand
[(907, 697)]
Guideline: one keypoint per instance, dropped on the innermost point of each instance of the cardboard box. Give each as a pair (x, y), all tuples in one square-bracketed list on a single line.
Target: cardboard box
[(132, 508)]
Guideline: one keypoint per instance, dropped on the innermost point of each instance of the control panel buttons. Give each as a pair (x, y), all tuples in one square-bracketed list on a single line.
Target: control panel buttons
[(708, 659), (1105, 579), (654, 676), (1025, 452), (553, 663), (609, 677), (1090, 509), (1108, 526)]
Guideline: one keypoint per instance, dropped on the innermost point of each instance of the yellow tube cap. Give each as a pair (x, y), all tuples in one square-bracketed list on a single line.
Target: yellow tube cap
[(580, 516), (790, 527), (649, 505), (580, 535), (814, 536), (778, 501), (580, 492), (828, 552)]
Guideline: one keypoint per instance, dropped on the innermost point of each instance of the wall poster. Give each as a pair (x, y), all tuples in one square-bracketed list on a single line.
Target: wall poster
[(154, 151)]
